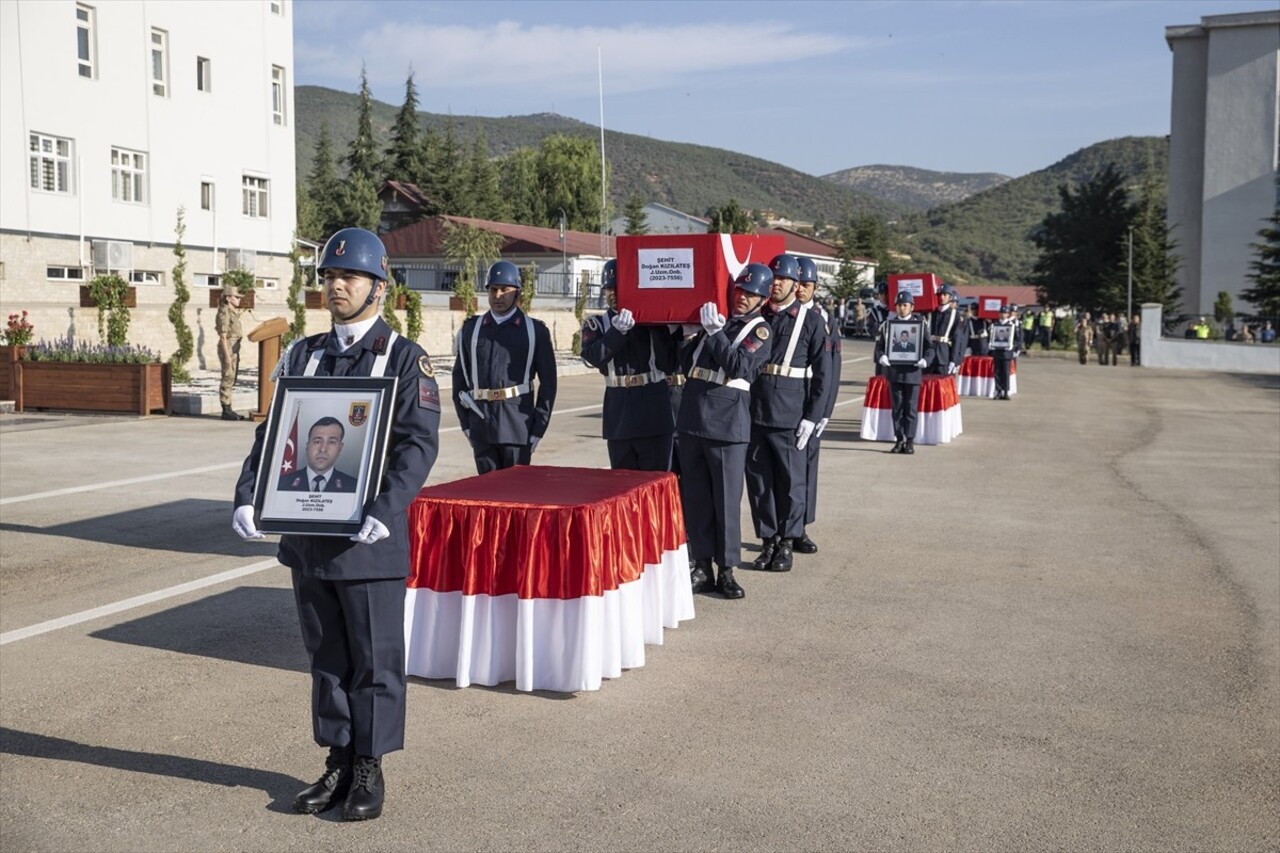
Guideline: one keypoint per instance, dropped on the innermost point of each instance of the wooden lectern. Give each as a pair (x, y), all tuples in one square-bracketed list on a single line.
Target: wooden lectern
[(267, 337)]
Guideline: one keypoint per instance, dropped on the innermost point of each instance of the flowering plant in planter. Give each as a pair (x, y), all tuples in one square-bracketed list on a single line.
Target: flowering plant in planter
[(82, 352), (18, 331)]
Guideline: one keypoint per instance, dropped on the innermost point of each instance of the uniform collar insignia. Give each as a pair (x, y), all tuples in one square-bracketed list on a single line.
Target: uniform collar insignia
[(379, 345)]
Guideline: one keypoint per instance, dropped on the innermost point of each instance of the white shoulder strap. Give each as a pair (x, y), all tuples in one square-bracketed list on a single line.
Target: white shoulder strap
[(794, 337), (475, 339), (528, 362)]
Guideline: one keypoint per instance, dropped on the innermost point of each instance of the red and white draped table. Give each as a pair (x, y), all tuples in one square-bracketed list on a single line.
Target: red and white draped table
[(555, 578), (938, 419), (977, 377)]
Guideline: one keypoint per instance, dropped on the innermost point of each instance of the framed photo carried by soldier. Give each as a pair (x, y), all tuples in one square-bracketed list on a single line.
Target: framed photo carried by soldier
[(323, 454), (904, 341), (1001, 337)]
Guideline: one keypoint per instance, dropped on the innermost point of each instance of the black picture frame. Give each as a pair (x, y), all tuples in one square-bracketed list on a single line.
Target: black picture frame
[(910, 352), (1001, 336), (357, 411)]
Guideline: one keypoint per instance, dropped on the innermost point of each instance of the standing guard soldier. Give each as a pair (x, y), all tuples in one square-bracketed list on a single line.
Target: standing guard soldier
[(350, 592), (947, 330), (227, 325), (1084, 336), (787, 401), (1007, 329), (904, 379), (635, 361), (715, 426), (804, 294), (500, 353), (975, 331)]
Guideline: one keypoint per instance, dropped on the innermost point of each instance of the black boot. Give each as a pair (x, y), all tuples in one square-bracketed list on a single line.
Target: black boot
[(727, 586), (701, 578), (802, 544), (782, 559), (767, 547), (364, 802), (229, 414), (909, 447), (897, 447), (331, 787)]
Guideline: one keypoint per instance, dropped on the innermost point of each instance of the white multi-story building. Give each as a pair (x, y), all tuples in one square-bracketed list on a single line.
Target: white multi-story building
[(1223, 148), (116, 115)]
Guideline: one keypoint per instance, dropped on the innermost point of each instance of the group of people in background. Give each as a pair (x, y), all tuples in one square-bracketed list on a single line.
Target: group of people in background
[(1109, 335)]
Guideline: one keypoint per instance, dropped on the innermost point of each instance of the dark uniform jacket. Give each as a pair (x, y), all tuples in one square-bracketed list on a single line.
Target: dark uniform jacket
[(780, 402), (876, 315), (720, 412), (411, 451), (1015, 335), (836, 354), (947, 328), (647, 353), (334, 481), (905, 373), (974, 328), (501, 355)]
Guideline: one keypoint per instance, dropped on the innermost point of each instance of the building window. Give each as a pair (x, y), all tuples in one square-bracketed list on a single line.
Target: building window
[(128, 175), (206, 280), (146, 277), (255, 196), (204, 74), (160, 62), (277, 94), (206, 195), (276, 6), (61, 273), (266, 283), (84, 40), (50, 159)]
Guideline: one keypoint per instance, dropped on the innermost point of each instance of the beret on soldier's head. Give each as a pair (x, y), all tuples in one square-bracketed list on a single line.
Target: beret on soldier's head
[(229, 289)]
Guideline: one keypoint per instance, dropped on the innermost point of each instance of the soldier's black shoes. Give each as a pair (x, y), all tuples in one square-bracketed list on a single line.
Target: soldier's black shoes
[(782, 558), (909, 447), (364, 800), (229, 414), (767, 549), (331, 787), (727, 586), (700, 577), (802, 544), (897, 447)]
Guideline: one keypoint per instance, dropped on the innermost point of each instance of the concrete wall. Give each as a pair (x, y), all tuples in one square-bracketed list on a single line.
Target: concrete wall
[(1224, 356), (1186, 156)]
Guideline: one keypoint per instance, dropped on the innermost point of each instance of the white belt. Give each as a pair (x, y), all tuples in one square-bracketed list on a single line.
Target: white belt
[(717, 377), (789, 372), (942, 340), (635, 380), (675, 378), (495, 394)]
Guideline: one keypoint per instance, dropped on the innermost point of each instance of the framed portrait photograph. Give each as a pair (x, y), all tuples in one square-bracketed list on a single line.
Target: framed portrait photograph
[(1001, 336), (904, 341), (323, 457)]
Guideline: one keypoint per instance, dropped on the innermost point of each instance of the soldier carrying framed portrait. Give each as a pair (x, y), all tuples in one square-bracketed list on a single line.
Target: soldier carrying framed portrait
[(904, 341)]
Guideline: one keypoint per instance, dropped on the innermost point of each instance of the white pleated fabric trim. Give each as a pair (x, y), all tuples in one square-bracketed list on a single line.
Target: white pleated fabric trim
[(931, 427), (564, 645), (984, 386)]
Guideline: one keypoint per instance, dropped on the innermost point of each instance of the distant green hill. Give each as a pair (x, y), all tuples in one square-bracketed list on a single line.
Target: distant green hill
[(918, 189), (984, 238), (687, 177)]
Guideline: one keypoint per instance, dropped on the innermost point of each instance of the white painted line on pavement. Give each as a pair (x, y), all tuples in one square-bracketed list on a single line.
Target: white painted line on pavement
[(131, 603)]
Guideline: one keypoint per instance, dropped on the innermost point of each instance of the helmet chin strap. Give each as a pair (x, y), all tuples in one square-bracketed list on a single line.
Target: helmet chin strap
[(373, 290)]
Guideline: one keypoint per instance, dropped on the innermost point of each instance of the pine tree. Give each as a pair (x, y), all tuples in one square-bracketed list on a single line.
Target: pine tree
[(637, 219), (404, 154), (520, 182), (729, 219), (360, 203), (431, 182), (362, 155), (447, 177), (1082, 246), (1265, 266), (323, 214), (1155, 263), (484, 193)]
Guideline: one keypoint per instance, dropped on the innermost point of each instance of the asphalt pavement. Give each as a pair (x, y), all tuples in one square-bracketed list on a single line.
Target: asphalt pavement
[(1059, 632)]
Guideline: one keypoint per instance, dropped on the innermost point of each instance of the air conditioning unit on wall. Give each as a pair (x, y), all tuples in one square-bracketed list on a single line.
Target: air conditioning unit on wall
[(241, 259), (112, 256)]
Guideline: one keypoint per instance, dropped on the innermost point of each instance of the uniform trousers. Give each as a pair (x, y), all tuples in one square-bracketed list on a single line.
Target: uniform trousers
[(776, 482), (493, 457), (978, 346), (811, 480), (354, 634), (711, 491), (230, 358), (906, 404), (1000, 367), (651, 453)]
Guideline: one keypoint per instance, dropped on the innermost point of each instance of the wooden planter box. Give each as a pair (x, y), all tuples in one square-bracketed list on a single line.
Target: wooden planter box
[(8, 371), (456, 304), (215, 298), (317, 299), (139, 389), (87, 301)]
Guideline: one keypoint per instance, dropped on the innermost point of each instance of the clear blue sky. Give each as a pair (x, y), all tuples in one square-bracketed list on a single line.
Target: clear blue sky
[(963, 86)]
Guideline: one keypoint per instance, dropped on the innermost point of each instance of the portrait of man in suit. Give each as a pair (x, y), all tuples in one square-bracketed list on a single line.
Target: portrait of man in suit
[(324, 446), (903, 343)]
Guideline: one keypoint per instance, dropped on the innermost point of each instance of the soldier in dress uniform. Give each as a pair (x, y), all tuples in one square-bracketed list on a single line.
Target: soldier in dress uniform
[(350, 592), (227, 325), (904, 378), (500, 353), (635, 361), (975, 331), (1006, 330), (804, 294), (714, 426), (947, 330)]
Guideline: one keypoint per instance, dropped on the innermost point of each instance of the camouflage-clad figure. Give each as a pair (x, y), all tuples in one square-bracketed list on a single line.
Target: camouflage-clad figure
[(227, 325)]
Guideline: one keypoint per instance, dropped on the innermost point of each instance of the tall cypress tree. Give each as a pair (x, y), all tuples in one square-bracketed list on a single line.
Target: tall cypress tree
[(323, 212), (1155, 263), (362, 155), (520, 183), (447, 178), (404, 154), (1082, 246), (483, 188)]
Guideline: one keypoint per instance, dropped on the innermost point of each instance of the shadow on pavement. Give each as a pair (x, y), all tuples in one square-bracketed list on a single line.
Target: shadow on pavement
[(252, 625), (188, 526), (279, 787)]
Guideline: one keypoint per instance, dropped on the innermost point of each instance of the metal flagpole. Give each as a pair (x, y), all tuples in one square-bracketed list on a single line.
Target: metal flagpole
[(1129, 313)]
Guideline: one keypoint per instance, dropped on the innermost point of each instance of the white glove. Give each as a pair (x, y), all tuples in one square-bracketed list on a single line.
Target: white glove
[(952, 369), (533, 442), (884, 359), (242, 523), (803, 433), (822, 424), (712, 319), (690, 329), (922, 363), (624, 321), (371, 532)]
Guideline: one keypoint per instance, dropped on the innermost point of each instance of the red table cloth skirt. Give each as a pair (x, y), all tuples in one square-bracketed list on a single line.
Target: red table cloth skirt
[(552, 577), (976, 377), (939, 418)]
